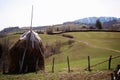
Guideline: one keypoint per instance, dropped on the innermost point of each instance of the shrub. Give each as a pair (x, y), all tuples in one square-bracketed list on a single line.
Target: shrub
[(53, 48), (67, 35), (49, 30), (70, 42)]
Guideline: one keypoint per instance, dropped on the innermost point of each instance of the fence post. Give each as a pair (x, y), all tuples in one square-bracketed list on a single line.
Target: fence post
[(53, 65), (109, 63), (89, 63), (68, 64)]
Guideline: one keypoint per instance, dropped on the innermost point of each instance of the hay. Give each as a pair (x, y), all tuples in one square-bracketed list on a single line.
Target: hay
[(27, 54), (1, 50)]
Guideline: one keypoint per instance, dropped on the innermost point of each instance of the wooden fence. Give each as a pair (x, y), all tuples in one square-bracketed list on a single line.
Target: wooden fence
[(89, 66), (89, 63), (114, 76)]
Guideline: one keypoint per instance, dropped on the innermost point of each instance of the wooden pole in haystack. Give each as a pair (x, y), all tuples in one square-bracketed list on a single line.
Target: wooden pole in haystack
[(31, 18), (22, 62), (27, 54)]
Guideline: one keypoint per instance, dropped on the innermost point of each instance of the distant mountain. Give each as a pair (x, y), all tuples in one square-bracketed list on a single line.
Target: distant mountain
[(108, 23), (20, 30), (92, 20)]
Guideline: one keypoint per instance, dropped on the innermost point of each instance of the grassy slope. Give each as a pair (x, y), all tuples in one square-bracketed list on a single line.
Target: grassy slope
[(79, 51)]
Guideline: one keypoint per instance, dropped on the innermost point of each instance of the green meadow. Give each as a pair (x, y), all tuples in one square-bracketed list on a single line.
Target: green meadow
[(98, 45)]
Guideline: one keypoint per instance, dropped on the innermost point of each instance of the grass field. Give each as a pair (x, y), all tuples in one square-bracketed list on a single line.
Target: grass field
[(98, 45)]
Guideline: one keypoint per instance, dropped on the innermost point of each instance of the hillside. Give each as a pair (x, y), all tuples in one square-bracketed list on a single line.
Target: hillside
[(98, 45), (89, 44), (110, 23)]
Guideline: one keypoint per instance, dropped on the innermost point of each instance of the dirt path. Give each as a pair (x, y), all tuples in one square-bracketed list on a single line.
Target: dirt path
[(105, 48), (86, 43)]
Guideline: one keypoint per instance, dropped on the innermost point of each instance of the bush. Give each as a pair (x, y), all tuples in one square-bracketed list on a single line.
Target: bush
[(70, 42), (67, 35), (40, 32), (47, 50), (53, 48), (49, 30), (56, 47)]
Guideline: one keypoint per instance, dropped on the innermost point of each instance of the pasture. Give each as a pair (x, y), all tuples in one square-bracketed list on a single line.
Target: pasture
[(98, 45)]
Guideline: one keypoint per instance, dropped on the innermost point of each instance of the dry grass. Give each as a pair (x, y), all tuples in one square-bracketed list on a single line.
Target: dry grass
[(97, 75)]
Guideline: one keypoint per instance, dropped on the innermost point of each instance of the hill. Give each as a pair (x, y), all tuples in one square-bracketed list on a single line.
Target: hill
[(92, 20), (98, 45), (109, 23)]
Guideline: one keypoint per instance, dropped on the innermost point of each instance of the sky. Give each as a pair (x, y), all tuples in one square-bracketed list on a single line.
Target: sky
[(50, 12)]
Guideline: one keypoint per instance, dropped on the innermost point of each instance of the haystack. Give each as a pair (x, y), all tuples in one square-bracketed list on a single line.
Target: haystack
[(1, 50), (27, 54)]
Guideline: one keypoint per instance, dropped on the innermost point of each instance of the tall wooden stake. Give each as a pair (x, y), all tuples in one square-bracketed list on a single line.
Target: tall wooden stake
[(23, 57), (31, 18)]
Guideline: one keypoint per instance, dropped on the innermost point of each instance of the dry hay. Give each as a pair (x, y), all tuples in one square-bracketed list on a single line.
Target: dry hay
[(27, 54)]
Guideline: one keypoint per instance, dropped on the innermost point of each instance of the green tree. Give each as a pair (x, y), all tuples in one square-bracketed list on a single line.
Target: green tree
[(98, 24)]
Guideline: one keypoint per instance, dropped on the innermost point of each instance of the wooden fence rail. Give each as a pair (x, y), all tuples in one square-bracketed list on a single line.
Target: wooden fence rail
[(102, 62), (68, 64)]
